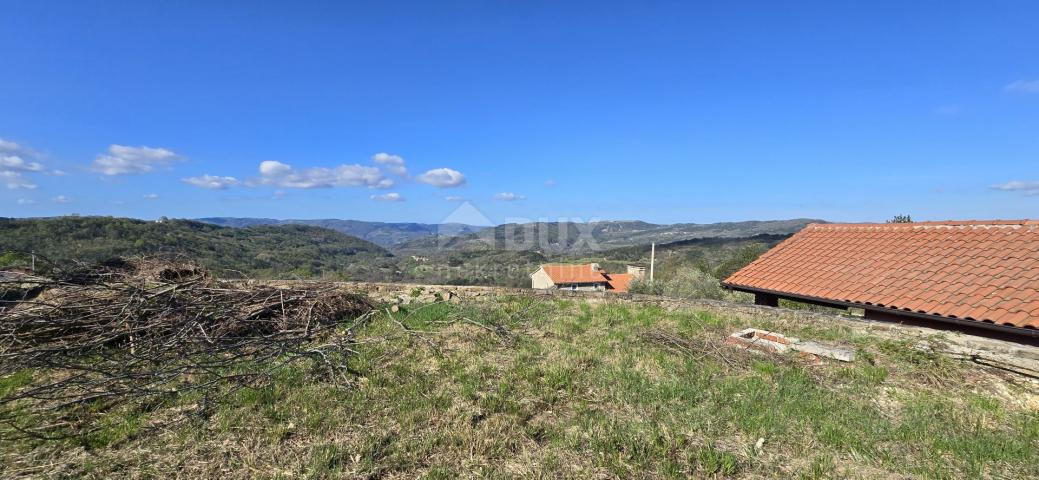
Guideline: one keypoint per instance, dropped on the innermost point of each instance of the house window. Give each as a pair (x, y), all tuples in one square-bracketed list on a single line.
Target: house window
[(573, 286)]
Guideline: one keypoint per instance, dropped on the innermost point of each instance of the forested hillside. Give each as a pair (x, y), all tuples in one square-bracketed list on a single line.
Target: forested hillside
[(300, 251), (261, 251), (719, 257), (572, 238), (381, 233)]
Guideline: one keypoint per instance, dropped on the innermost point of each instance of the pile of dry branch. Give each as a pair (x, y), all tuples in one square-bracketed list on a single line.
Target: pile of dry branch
[(143, 330)]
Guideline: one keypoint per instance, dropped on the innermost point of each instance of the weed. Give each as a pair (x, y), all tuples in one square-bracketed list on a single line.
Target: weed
[(711, 461)]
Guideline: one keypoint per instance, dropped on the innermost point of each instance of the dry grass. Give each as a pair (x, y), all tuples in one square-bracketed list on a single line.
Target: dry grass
[(524, 388)]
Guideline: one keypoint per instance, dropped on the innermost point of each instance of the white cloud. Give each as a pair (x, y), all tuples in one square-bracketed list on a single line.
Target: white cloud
[(550, 183), (388, 197), (13, 165), (7, 146), (25, 201), (1028, 188), (15, 180), (283, 175), (12, 168), (442, 178), (123, 160), (508, 197), (454, 198), (151, 196), (1022, 86), (61, 199), (212, 182), (392, 163)]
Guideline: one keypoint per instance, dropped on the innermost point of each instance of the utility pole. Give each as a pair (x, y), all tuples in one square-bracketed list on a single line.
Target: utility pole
[(652, 259)]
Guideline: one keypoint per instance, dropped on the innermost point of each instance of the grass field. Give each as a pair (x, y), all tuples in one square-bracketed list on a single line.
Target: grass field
[(527, 388)]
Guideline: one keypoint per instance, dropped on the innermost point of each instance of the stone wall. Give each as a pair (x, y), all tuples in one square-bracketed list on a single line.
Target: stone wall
[(405, 293)]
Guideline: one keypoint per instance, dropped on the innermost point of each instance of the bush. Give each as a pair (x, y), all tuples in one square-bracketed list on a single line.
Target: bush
[(13, 259), (740, 259), (688, 283)]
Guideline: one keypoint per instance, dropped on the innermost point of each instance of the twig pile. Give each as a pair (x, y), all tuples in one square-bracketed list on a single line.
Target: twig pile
[(708, 345), (143, 330)]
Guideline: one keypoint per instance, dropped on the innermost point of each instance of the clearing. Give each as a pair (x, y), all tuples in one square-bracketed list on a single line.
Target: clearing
[(547, 387)]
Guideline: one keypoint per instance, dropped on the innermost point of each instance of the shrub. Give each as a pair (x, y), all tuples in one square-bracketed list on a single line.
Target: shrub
[(687, 283)]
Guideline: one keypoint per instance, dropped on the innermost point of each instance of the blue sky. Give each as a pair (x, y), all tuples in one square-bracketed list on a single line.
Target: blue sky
[(660, 111)]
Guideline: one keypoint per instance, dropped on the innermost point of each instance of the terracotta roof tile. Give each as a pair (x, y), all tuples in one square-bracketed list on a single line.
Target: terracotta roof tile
[(619, 282), (586, 273), (565, 273), (987, 271)]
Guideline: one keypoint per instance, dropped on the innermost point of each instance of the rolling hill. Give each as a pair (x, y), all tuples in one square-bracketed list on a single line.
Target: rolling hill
[(261, 251), (502, 255), (577, 238), (380, 233)]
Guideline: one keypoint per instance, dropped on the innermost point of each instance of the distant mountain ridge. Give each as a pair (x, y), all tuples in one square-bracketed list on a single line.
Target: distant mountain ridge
[(559, 237), (569, 237), (385, 234), (502, 255)]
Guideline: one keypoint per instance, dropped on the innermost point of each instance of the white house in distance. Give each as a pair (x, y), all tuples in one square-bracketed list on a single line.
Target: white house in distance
[(584, 277)]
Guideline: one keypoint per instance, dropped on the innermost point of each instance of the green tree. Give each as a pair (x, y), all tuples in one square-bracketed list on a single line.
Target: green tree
[(261, 251)]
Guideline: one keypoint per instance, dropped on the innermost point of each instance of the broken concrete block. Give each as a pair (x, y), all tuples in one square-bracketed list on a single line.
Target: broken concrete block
[(836, 353), (765, 341), (760, 340)]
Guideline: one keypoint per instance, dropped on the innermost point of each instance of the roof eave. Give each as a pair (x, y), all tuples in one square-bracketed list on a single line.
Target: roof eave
[(1028, 332)]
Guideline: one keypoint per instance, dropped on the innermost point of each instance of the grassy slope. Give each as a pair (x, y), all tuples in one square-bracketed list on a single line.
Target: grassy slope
[(261, 251), (580, 390)]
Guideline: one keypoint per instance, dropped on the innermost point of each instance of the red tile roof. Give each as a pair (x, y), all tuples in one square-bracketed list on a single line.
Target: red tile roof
[(987, 271), (565, 274), (574, 274), (619, 282)]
